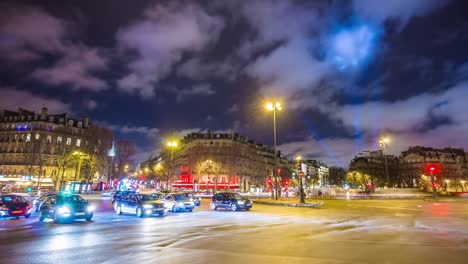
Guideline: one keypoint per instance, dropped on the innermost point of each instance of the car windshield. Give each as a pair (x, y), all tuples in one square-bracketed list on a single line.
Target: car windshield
[(70, 199), (180, 197), (147, 197), (237, 197), (12, 199)]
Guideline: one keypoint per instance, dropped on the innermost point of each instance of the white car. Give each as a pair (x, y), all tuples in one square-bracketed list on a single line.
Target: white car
[(177, 202)]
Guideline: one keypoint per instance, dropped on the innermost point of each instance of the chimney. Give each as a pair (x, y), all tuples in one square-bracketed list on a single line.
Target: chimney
[(85, 122), (44, 113)]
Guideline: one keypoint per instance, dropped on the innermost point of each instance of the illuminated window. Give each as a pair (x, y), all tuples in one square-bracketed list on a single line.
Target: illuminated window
[(69, 141), (28, 137), (49, 139), (59, 140), (78, 142)]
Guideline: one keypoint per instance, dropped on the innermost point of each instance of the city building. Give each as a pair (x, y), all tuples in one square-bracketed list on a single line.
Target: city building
[(316, 173), (372, 163), (218, 160), (50, 150), (452, 163)]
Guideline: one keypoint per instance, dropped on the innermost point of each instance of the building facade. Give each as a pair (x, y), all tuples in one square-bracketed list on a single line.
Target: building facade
[(372, 164), (452, 163), (221, 161), (316, 173), (48, 150)]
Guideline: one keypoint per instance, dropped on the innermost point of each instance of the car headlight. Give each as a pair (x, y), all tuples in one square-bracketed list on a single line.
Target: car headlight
[(180, 204), (90, 208), (63, 210), (240, 202), (192, 203), (147, 206)]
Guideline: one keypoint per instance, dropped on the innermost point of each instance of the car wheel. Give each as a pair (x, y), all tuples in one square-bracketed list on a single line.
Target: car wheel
[(41, 216), (248, 209), (233, 207), (27, 215), (56, 219), (118, 210), (160, 214), (139, 212), (213, 207), (89, 217), (174, 209), (190, 210)]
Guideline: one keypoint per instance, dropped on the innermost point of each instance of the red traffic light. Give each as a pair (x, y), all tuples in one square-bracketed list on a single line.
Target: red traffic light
[(432, 168), (286, 182)]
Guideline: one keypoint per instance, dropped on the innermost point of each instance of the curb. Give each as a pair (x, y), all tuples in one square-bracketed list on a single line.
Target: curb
[(306, 205)]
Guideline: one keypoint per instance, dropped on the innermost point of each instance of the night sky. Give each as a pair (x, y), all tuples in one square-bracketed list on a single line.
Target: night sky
[(346, 72)]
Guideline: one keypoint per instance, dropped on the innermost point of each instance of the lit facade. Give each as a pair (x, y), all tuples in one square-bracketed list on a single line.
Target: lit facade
[(35, 149), (222, 161)]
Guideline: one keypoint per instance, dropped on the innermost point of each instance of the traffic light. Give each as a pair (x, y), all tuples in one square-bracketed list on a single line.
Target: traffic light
[(279, 171), (269, 181), (286, 182), (432, 168)]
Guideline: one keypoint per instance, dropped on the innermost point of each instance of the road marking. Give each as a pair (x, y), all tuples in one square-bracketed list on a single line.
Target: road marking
[(116, 220)]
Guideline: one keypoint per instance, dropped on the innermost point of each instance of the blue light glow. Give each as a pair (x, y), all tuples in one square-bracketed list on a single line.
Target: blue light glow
[(351, 48)]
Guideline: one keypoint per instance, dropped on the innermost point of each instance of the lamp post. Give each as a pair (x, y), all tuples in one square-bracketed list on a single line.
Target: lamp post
[(172, 145), (273, 107), (301, 179), (111, 154), (383, 144)]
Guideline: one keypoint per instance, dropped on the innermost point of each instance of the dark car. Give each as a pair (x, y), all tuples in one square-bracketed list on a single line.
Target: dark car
[(14, 205), (140, 204), (65, 207), (37, 203), (120, 194), (196, 200), (231, 201), (177, 202)]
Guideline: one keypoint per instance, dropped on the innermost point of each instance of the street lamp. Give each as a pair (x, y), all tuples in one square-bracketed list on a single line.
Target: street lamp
[(383, 144), (301, 179), (172, 145), (273, 107)]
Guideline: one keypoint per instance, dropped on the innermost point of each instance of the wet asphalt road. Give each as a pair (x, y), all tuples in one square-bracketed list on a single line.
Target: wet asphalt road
[(389, 231)]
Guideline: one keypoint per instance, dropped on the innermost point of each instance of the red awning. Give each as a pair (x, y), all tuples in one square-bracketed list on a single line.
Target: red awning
[(204, 185)]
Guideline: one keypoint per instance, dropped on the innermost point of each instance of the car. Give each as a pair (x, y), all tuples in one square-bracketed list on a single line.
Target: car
[(119, 194), (37, 203), (141, 205), (14, 205), (196, 200), (231, 201), (177, 202), (66, 207)]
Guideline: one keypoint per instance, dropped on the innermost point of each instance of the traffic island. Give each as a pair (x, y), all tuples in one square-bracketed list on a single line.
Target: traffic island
[(289, 203)]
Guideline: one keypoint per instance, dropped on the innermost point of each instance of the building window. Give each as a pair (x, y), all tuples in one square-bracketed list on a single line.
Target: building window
[(55, 162), (69, 141), (37, 136), (59, 140), (49, 139), (28, 137), (78, 142)]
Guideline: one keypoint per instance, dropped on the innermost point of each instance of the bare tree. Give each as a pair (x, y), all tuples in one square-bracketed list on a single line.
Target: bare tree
[(125, 150)]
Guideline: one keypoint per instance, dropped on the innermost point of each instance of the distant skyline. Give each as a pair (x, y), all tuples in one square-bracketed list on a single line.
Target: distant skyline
[(346, 72)]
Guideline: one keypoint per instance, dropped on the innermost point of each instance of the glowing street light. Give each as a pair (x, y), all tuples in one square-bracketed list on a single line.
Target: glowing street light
[(383, 144), (270, 106)]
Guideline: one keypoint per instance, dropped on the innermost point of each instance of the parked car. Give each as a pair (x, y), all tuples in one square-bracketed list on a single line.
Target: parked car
[(140, 204), (177, 202), (196, 200), (14, 205), (231, 201), (120, 194), (65, 207), (37, 203)]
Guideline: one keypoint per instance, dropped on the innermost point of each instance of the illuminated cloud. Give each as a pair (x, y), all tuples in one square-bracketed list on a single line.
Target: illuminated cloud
[(352, 47)]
